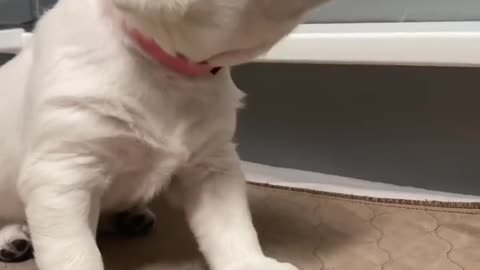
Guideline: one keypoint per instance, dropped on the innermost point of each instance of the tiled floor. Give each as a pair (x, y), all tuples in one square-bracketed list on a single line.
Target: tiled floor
[(318, 232)]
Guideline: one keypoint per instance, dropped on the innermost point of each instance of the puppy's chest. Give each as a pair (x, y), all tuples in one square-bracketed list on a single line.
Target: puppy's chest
[(169, 134), (148, 164), (183, 121), (181, 129)]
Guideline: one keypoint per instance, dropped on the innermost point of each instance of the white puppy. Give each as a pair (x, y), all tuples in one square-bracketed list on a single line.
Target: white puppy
[(115, 101)]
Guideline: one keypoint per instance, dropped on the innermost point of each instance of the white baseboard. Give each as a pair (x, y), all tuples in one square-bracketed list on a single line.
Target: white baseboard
[(13, 40), (264, 174), (424, 43)]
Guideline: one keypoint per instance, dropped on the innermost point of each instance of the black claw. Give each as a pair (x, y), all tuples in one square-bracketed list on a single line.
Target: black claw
[(136, 220), (7, 255), (146, 227), (137, 224)]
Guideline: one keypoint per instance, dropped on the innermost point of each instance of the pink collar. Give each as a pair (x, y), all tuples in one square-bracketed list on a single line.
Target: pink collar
[(178, 64)]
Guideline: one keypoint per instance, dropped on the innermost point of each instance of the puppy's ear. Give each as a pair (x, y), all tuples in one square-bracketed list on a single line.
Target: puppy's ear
[(286, 9), (167, 8)]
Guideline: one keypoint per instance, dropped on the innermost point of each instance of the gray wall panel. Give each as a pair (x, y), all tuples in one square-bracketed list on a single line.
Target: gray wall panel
[(44, 4), (19, 11), (397, 11), (401, 125), (4, 58), (16, 11)]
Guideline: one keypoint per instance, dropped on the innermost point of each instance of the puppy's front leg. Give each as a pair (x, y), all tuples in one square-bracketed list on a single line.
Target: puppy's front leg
[(62, 203), (214, 195)]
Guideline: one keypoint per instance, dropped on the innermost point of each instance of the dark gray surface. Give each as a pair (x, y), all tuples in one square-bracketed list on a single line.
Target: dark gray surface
[(46, 4), (386, 10), (397, 11), (402, 125), (4, 58), (335, 11), (13, 12), (22, 13)]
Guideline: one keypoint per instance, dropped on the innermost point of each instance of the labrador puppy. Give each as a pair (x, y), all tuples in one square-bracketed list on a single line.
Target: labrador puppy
[(116, 101)]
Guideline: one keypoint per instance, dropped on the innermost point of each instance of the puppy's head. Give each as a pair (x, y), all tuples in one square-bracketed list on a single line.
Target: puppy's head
[(221, 32)]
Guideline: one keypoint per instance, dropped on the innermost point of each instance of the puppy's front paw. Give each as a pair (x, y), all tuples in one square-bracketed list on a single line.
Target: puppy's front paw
[(261, 264)]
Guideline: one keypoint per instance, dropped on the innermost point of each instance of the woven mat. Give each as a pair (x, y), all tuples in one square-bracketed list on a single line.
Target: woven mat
[(320, 232)]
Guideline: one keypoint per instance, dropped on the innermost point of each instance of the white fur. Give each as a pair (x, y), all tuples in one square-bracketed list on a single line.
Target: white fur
[(89, 124)]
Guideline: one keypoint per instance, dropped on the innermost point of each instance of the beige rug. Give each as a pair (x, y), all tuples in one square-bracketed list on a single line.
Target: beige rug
[(319, 231)]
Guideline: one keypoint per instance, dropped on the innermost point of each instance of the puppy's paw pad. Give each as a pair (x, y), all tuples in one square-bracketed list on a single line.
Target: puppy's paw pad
[(135, 223), (262, 264), (15, 244)]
